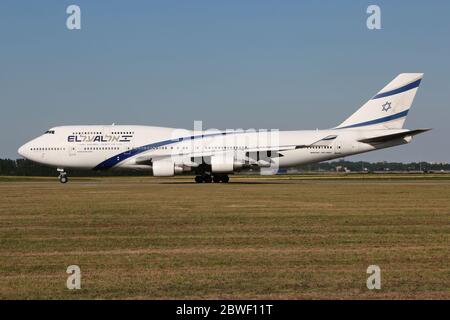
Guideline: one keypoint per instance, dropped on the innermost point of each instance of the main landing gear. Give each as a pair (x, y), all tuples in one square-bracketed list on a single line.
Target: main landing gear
[(208, 179), (62, 176)]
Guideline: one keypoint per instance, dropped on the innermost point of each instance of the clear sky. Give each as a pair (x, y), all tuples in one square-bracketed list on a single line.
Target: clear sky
[(233, 64)]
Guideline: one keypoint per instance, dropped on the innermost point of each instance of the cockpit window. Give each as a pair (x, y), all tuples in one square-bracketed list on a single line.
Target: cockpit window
[(50, 132)]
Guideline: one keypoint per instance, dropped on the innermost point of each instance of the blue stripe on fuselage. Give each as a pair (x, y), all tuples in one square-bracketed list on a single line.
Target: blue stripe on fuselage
[(111, 162)]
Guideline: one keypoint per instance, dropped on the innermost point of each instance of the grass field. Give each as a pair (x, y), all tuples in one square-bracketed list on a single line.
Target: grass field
[(284, 237)]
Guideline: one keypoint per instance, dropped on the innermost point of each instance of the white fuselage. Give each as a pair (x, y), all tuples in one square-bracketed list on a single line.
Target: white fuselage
[(139, 147)]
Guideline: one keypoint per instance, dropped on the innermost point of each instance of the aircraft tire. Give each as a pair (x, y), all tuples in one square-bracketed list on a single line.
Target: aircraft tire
[(63, 178)]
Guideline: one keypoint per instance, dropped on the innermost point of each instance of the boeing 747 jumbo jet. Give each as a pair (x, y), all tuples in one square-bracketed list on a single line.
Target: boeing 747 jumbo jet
[(213, 155)]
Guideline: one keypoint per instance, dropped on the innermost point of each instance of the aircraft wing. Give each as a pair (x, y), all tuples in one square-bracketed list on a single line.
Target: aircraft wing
[(272, 152)]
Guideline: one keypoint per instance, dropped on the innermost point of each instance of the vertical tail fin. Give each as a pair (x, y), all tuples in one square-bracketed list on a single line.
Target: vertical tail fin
[(389, 107)]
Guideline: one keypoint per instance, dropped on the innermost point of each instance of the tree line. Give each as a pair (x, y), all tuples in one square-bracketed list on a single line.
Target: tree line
[(22, 167)]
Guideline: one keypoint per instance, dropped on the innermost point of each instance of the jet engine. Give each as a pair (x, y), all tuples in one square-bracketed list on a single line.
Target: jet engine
[(165, 168), (224, 163)]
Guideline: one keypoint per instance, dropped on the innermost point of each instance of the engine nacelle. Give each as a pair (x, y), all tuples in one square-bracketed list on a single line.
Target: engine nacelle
[(165, 168), (224, 164)]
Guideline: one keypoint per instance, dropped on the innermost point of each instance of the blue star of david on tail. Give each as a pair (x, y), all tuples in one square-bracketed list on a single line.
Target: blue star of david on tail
[(386, 106)]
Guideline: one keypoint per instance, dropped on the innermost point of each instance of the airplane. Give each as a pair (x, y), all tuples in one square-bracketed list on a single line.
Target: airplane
[(213, 155)]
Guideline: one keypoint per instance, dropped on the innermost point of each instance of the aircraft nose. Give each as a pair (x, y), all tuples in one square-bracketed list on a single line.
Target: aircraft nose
[(22, 150)]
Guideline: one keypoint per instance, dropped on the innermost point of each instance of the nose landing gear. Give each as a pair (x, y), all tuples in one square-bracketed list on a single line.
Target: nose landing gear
[(62, 176)]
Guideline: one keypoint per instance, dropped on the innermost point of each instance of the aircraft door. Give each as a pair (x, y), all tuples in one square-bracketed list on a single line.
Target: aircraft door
[(72, 150), (127, 150), (345, 146), (338, 147)]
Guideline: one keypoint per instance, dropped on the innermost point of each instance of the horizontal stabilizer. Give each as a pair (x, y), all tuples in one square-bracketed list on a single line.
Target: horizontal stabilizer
[(393, 136)]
